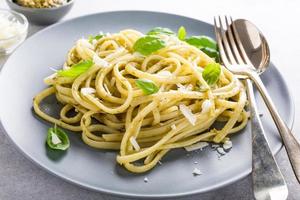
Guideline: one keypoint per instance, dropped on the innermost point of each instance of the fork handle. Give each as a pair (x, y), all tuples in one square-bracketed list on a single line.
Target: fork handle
[(290, 142), (266, 174)]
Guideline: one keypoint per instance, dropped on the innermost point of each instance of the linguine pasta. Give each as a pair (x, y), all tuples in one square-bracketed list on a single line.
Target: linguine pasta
[(111, 112)]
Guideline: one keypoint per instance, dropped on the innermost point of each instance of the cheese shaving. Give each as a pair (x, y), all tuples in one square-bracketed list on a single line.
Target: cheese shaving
[(206, 106), (221, 151), (85, 43), (183, 88), (87, 91), (197, 172), (55, 139), (227, 145), (48, 79), (173, 126), (53, 69), (164, 74), (134, 143), (186, 111), (146, 180), (99, 61), (196, 146)]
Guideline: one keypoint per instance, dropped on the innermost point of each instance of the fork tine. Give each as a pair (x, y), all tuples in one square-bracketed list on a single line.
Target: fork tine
[(239, 43), (226, 44), (220, 44), (232, 42)]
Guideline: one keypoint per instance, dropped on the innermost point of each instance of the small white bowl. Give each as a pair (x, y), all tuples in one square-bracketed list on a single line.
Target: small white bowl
[(8, 44)]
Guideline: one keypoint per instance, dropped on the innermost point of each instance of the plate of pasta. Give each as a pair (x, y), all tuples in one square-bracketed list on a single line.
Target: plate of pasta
[(128, 102)]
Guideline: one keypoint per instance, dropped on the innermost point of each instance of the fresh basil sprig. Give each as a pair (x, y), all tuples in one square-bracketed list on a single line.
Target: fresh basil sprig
[(76, 69), (57, 139), (205, 44), (181, 33), (148, 44), (202, 41), (95, 37), (160, 30), (211, 73), (147, 86), (211, 53)]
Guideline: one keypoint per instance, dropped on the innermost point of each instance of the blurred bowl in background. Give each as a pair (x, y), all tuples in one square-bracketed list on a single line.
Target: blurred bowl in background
[(42, 16), (13, 30)]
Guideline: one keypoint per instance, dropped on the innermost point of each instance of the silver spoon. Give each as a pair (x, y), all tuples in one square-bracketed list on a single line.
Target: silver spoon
[(256, 47), (268, 182)]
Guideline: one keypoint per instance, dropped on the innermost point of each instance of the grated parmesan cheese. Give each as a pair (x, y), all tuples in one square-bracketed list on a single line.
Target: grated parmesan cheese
[(55, 139), (117, 52), (85, 43), (214, 146), (53, 69), (183, 88), (87, 90), (206, 106), (134, 143), (173, 126), (197, 172), (137, 54), (9, 27), (164, 73), (196, 146), (221, 151), (146, 180), (189, 87), (48, 79), (94, 42), (227, 145), (180, 87), (99, 61), (186, 111)]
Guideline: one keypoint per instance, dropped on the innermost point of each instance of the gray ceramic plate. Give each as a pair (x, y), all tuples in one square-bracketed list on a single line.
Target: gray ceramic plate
[(22, 78)]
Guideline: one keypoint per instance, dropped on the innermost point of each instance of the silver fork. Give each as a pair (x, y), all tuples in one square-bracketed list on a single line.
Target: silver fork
[(268, 182)]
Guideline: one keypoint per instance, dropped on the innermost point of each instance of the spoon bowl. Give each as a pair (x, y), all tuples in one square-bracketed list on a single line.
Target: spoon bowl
[(256, 47)]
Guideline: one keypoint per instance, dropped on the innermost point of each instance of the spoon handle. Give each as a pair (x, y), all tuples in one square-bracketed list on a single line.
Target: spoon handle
[(266, 175), (290, 142)]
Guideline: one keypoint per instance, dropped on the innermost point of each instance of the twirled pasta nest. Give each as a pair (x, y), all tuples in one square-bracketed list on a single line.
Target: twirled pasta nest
[(111, 112)]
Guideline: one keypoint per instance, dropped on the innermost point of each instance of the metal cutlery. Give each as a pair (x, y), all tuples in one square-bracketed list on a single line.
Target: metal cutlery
[(268, 182), (237, 61)]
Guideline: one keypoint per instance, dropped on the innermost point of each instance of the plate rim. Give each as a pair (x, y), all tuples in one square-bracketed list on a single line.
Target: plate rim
[(128, 194)]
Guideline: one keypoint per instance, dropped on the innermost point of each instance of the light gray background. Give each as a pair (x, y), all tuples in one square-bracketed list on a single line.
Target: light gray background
[(277, 19)]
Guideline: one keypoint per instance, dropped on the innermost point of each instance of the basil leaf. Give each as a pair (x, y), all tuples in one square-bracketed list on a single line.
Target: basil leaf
[(181, 33), (211, 53), (148, 44), (57, 139), (76, 69), (211, 73), (96, 37), (147, 86), (160, 30), (202, 41)]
